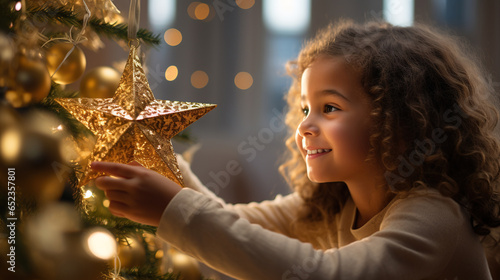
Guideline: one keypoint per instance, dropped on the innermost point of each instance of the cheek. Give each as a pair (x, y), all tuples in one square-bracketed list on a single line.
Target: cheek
[(352, 142), (298, 140)]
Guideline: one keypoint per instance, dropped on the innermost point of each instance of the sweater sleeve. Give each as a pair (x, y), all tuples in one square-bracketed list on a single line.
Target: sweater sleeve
[(275, 215), (412, 242)]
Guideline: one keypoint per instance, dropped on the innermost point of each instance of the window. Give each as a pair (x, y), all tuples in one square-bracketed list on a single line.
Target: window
[(287, 16), (399, 12)]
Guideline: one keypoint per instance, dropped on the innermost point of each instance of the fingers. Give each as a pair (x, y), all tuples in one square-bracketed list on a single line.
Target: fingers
[(116, 169), (117, 208), (108, 183), (118, 196)]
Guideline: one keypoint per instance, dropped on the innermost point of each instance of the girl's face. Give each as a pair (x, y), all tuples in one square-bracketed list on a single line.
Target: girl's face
[(334, 134)]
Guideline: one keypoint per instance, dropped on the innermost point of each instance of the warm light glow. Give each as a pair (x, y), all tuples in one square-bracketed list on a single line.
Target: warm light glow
[(88, 194), (171, 73), (18, 6), (173, 37), (102, 244), (10, 144), (192, 8), (201, 11), (159, 254), (399, 12), (199, 79), (245, 4), (129, 241), (287, 16), (105, 203), (243, 80), (57, 129)]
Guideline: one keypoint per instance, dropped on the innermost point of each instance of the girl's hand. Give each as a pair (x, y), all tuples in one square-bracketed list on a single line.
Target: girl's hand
[(135, 192)]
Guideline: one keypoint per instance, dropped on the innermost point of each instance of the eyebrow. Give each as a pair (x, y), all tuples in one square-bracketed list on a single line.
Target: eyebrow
[(330, 92)]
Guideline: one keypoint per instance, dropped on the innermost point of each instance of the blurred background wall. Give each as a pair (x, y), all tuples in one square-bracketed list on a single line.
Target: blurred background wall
[(233, 53)]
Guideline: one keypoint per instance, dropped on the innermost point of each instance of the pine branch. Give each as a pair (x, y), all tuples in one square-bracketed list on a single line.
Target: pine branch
[(67, 17), (74, 127), (119, 227)]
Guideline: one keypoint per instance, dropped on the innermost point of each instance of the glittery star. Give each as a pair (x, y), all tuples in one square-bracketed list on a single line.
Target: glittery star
[(133, 125)]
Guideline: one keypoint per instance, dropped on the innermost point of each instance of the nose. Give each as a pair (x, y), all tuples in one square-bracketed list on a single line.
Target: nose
[(308, 127)]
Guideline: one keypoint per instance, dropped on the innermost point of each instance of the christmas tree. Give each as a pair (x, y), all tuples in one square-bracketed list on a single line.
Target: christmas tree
[(54, 221)]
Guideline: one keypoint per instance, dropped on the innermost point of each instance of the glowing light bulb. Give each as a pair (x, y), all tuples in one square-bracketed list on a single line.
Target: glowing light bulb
[(101, 244), (18, 6), (88, 194)]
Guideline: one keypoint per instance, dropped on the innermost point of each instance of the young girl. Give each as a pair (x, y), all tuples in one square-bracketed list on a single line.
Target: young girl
[(393, 160)]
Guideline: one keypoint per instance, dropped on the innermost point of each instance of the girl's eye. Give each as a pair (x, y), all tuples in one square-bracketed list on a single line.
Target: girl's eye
[(305, 111), (330, 109)]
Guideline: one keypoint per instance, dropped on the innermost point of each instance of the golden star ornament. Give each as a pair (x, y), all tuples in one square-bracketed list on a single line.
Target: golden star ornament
[(133, 125)]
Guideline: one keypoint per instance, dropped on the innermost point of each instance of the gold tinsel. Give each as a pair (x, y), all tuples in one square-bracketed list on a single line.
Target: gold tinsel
[(133, 125)]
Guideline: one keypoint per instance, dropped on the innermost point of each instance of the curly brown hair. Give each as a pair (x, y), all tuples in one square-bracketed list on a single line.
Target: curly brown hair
[(433, 115)]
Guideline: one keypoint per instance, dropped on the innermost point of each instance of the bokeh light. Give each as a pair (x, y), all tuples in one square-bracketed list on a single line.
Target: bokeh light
[(101, 244), (199, 79), (173, 37), (171, 73), (18, 6), (10, 144), (191, 8), (245, 4), (243, 80), (159, 254), (88, 194), (201, 11)]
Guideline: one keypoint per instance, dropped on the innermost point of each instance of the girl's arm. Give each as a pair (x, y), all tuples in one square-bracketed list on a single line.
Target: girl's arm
[(275, 215), (418, 239)]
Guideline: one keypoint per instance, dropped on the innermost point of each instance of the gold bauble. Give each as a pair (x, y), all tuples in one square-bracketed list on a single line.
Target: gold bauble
[(131, 252), (72, 68), (101, 82), (31, 81), (59, 247), (7, 52), (34, 152), (184, 265), (40, 168)]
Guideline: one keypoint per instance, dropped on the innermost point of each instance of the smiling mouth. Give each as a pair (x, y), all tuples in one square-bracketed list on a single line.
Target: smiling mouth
[(318, 151)]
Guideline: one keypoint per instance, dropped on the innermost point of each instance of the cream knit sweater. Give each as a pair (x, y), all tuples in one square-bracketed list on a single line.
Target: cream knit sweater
[(423, 236)]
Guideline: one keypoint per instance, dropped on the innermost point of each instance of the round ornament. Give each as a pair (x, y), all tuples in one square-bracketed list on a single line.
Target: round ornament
[(40, 168), (72, 68), (131, 252), (184, 265), (32, 150), (31, 81), (100, 82)]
